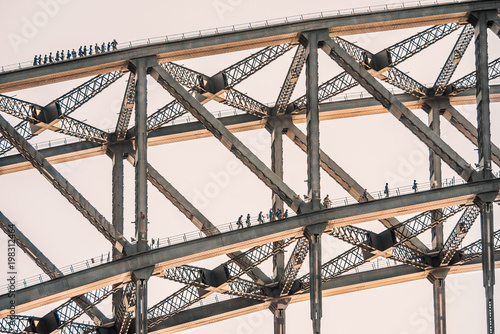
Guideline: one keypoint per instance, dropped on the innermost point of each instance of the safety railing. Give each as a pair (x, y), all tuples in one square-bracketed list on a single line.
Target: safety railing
[(254, 25), (223, 228)]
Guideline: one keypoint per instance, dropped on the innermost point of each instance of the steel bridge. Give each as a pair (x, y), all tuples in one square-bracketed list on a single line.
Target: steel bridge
[(124, 277)]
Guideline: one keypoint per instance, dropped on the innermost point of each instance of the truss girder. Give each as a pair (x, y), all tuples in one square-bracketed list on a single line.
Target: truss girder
[(408, 256), (186, 77), (463, 125), (414, 44), (243, 69), (469, 81), (75, 128), (126, 108), (125, 311), (62, 185), (246, 289), (352, 50), (458, 234), (401, 80), (238, 100), (75, 98), (474, 250), (346, 261), (423, 222), (344, 179), (453, 60), (15, 324), (228, 139), (24, 129), (354, 235), (291, 79), (399, 110), (293, 266), (194, 292), (19, 108), (71, 310)]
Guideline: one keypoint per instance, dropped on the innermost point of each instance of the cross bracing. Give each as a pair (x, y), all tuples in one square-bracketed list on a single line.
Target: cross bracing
[(132, 264)]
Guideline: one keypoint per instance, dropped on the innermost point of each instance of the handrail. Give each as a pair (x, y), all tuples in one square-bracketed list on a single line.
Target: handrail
[(195, 235), (255, 25)]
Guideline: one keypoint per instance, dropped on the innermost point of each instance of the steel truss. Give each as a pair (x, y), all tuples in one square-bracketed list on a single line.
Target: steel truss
[(191, 89)]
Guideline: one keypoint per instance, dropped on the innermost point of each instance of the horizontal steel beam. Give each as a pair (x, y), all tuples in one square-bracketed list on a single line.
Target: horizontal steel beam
[(196, 250), (241, 40), (224, 310)]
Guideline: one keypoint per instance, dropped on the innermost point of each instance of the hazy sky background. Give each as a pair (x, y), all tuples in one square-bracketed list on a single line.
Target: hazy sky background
[(372, 149)]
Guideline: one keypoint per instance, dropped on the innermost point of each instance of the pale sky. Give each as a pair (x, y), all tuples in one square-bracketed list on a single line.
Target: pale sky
[(372, 149)]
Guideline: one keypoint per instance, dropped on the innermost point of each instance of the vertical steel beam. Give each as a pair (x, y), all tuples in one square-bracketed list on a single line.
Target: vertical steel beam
[(437, 278), (435, 173), (278, 258), (484, 145), (117, 209), (141, 278), (313, 234), (312, 115), (141, 178), (277, 168)]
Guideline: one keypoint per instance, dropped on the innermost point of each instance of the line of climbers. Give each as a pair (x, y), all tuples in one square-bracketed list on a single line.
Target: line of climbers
[(271, 216), (364, 197), (82, 52)]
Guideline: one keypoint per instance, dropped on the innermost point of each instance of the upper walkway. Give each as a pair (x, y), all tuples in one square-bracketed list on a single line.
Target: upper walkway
[(243, 37)]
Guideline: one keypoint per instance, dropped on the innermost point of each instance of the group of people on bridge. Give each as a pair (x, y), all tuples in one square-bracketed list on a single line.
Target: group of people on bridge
[(82, 52), (271, 216)]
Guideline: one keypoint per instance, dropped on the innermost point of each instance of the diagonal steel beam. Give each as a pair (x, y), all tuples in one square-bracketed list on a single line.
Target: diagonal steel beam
[(194, 215), (403, 81), (126, 108), (458, 233), (344, 179), (469, 81), (239, 100), (463, 125), (229, 140), (291, 79), (453, 60), (48, 267), (399, 110), (293, 266), (62, 185)]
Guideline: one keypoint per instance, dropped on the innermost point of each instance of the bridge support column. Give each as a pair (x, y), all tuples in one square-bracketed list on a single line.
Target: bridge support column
[(437, 278), (277, 168), (141, 190), (141, 278), (117, 209), (313, 163), (484, 145), (278, 310), (434, 110), (313, 234)]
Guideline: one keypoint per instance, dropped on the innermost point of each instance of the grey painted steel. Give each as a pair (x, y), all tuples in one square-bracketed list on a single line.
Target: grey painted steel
[(346, 181), (195, 216), (141, 307), (277, 202), (48, 267), (119, 271), (141, 183), (62, 185), (290, 81), (126, 108), (344, 284), (117, 211), (247, 39), (399, 110), (436, 179), (245, 122), (437, 278), (312, 116), (227, 138), (453, 60), (463, 125), (315, 289), (484, 146)]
